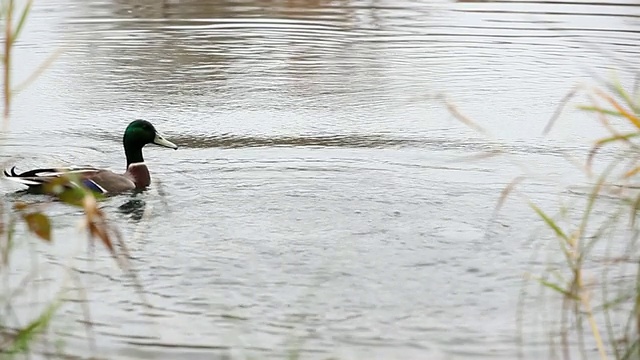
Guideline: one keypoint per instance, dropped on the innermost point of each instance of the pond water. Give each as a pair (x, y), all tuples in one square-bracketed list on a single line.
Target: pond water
[(317, 203)]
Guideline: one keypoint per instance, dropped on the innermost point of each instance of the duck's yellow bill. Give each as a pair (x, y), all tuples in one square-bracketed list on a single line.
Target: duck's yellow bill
[(160, 140)]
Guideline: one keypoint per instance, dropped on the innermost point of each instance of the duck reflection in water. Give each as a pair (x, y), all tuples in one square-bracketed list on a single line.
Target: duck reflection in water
[(134, 208)]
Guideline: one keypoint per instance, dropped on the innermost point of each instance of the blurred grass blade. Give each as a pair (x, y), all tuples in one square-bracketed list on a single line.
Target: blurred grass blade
[(600, 143), (600, 110), (558, 288), (464, 119), (23, 17), (25, 336), (615, 302), (631, 117), (631, 350), (479, 156), (634, 211), (617, 88), (39, 224), (97, 222), (11, 228), (35, 74), (72, 196), (3, 9), (506, 191), (558, 111), (552, 224), (98, 229), (619, 137), (631, 172), (70, 190)]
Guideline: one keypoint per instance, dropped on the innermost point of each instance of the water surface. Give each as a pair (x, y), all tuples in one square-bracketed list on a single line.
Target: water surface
[(313, 205)]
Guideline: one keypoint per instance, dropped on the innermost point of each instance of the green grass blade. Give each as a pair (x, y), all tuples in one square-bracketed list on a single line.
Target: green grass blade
[(23, 17), (559, 233), (9, 247), (618, 137), (3, 9), (617, 88), (549, 221), (25, 336), (559, 289), (630, 351), (600, 110)]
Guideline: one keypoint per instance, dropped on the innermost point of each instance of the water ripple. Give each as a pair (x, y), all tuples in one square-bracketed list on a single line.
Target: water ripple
[(314, 194)]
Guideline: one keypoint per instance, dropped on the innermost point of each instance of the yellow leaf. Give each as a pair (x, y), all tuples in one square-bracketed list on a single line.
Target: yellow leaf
[(19, 205), (39, 224)]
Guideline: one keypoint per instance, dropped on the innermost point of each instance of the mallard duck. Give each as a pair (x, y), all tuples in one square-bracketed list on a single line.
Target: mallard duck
[(138, 134)]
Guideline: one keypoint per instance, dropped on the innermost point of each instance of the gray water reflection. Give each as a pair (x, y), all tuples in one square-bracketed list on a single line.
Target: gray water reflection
[(314, 203)]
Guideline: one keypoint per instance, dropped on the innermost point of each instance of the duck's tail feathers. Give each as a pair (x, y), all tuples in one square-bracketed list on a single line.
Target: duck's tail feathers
[(39, 177)]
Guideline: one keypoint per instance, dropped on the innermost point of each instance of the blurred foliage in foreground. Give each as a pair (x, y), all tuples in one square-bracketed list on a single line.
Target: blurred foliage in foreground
[(15, 337), (599, 280), (594, 276)]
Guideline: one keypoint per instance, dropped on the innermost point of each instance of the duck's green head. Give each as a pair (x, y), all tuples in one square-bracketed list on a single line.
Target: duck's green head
[(138, 134), (141, 132)]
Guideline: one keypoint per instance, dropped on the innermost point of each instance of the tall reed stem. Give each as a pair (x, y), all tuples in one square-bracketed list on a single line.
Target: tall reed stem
[(8, 39)]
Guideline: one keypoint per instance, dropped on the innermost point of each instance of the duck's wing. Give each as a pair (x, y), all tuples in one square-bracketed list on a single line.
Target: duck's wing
[(38, 177), (108, 182), (99, 180)]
